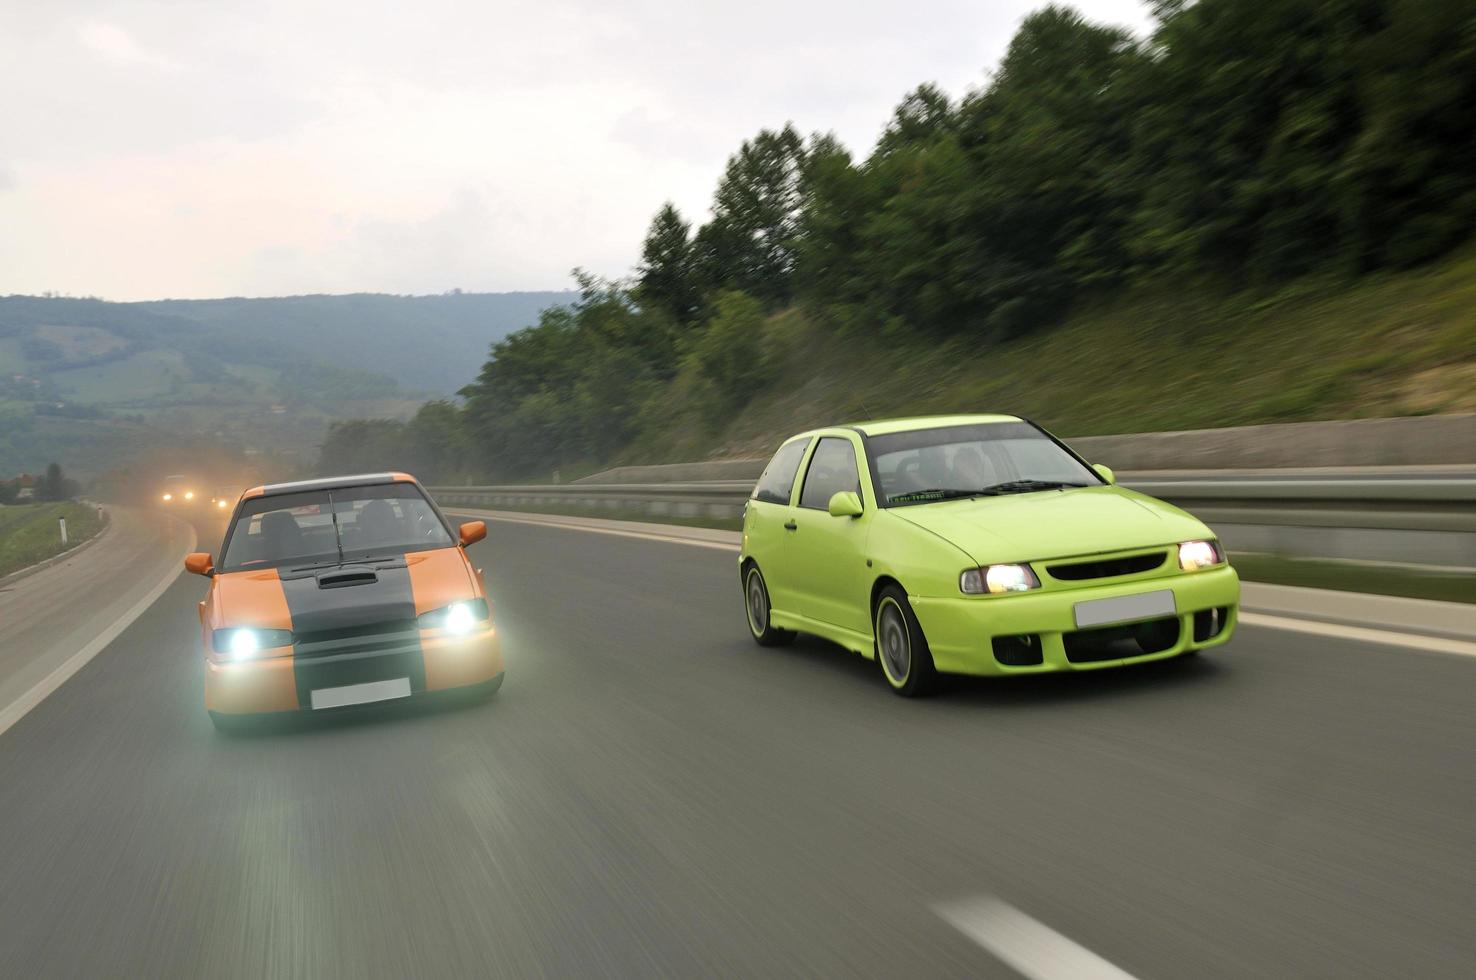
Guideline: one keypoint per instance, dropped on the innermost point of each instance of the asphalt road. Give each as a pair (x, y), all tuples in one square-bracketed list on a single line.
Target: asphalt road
[(650, 794)]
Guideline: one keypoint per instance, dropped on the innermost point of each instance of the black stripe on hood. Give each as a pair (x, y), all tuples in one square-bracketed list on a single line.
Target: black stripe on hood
[(352, 623)]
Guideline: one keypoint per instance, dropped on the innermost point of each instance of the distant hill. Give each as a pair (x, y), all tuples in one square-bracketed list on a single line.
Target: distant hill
[(85, 381), (430, 343)]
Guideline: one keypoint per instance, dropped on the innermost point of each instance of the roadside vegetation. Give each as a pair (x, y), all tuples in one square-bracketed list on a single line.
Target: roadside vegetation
[(1259, 213), (29, 533)]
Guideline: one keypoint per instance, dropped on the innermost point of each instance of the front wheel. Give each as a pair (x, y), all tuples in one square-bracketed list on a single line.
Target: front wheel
[(756, 603), (901, 649)]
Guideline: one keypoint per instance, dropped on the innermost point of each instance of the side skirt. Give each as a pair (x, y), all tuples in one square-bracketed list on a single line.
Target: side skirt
[(858, 643)]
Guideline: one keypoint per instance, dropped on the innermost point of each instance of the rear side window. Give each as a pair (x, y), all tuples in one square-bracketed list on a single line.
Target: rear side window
[(778, 479), (832, 470)]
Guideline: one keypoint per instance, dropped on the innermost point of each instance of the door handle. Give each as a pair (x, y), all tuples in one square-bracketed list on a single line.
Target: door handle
[(790, 526)]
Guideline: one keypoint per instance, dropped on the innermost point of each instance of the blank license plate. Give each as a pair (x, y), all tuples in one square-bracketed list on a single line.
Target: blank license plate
[(1123, 609), (337, 697)]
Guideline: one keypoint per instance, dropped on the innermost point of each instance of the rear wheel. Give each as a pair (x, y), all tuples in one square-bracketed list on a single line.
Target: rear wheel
[(901, 649), (756, 604)]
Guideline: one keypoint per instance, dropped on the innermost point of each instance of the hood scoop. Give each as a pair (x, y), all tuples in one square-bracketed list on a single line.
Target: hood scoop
[(343, 578)]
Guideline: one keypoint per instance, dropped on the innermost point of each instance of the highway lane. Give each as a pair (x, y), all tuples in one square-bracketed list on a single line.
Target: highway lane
[(651, 794)]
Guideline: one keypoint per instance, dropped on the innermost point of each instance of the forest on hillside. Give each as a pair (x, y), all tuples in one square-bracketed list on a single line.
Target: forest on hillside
[(1242, 145)]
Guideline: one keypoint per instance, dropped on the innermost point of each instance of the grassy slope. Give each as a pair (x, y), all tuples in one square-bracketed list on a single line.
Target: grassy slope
[(29, 533), (1395, 344)]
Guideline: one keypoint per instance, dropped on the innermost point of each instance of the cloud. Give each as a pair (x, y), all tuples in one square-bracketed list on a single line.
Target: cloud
[(115, 45)]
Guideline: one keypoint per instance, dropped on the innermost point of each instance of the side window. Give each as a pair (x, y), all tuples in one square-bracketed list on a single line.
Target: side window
[(832, 469), (778, 479)]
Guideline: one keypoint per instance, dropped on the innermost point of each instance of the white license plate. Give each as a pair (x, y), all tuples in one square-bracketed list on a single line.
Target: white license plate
[(337, 697), (1125, 609)]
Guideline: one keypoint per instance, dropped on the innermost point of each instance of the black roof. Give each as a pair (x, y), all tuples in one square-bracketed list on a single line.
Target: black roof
[(332, 483)]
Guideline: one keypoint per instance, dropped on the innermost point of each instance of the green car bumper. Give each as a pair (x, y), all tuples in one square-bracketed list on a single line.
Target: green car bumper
[(1037, 632)]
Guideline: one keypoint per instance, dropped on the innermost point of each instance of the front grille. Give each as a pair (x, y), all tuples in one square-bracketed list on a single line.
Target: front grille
[(1107, 567), (1121, 642), (364, 638)]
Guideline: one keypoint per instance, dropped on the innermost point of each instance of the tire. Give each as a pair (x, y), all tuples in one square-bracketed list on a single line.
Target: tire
[(901, 649), (756, 610)]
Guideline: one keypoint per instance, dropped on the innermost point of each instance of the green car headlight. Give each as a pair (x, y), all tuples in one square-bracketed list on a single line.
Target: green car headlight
[(997, 580), (1195, 555), (245, 643)]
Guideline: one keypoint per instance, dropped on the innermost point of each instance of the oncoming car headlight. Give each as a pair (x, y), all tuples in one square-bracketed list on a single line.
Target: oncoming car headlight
[(245, 643), (1194, 555), (458, 618), (997, 579), (189, 495)]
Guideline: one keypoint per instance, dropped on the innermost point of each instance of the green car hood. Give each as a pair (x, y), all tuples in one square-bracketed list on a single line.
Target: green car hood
[(1054, 523)]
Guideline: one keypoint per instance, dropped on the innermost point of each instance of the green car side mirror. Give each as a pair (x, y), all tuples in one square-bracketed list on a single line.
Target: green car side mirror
[(845, 504), (1105, 472)]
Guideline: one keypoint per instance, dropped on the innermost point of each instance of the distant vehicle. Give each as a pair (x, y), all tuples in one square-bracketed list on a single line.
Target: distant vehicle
[(338, 592), (177, 491), (974, 544), (224, 498)]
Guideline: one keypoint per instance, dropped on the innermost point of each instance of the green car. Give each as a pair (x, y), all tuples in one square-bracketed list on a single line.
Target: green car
[(974, 544)]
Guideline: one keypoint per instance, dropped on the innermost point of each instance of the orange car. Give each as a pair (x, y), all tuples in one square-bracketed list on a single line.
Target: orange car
[(340, 592)]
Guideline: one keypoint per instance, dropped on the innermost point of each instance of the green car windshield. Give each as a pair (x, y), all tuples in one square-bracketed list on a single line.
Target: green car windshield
[(987, 458)]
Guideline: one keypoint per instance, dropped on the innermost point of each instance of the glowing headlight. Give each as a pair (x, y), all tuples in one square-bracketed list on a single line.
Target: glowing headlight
[(221, 504), (458, 619), (169, 496), (1194, 555), (997, 579), (244, 644), (189, 495)]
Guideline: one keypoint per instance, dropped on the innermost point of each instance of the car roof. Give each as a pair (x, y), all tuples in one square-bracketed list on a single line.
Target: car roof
[(879, 427), (330, 483)]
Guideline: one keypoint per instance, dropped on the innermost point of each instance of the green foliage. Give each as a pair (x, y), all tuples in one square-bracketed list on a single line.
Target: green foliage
[(29, 533), (729, 352), (55, 486)]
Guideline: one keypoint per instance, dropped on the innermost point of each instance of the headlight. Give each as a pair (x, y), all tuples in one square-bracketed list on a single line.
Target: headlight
[(221, 504), (245, 643), (189, 495), (458, 618), (169, 496), (1194, 555), (997, 579)]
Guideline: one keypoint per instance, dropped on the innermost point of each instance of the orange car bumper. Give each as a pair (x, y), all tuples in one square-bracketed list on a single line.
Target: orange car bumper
[(270, 684)]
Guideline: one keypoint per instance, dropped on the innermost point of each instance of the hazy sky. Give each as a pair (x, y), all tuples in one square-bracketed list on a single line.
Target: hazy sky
[(193, 148)]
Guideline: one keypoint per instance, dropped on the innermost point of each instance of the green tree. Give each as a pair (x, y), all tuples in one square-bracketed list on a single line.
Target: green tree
[(665, 278)]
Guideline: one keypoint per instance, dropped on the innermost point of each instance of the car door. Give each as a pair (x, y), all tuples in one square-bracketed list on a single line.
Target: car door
[(769, 510), (829, 553)]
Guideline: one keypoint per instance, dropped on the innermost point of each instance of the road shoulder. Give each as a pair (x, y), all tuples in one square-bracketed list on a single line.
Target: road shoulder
[(55, 619)]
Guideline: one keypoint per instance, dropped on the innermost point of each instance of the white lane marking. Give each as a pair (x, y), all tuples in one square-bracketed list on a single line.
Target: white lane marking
[(43, 688), (643, 535), (1032, 948), (1364, 634)]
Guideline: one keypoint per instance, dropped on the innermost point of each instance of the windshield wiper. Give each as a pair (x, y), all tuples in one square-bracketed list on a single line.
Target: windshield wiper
[(939, 493), (1026, 486)]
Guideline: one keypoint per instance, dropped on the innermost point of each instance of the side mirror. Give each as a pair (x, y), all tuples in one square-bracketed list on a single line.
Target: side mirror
[(200, 563), (472, 532), (845, 504), (1105, 472)]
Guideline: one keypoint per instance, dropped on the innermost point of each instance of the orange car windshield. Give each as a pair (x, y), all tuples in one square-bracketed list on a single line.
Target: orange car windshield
[(347, 524)]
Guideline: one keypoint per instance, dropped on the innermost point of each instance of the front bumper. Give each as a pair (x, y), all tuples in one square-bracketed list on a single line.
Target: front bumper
[(272, 684), (961, 630)]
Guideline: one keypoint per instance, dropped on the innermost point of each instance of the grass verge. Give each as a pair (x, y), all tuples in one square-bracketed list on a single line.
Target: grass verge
[(29, 532)]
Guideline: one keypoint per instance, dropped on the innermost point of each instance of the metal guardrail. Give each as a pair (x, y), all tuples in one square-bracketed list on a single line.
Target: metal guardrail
[(1417, 521)]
